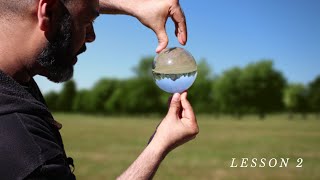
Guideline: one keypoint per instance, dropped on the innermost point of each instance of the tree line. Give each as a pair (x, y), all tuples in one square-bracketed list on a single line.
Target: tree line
[(258, 88)]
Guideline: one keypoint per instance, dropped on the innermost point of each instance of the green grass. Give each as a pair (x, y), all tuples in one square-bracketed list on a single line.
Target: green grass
[(103, 147)]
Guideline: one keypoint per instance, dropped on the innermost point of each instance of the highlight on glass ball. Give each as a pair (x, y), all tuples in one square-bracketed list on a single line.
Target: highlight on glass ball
[(174, 70)]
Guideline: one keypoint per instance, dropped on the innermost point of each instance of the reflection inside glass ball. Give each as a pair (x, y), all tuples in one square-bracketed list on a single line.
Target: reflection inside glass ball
[(174, 70)]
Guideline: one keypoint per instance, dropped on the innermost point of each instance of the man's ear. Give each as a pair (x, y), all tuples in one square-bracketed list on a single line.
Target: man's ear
[(46, 12)]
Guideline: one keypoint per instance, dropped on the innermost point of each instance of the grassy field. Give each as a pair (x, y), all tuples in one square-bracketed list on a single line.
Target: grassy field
[(103, 147)]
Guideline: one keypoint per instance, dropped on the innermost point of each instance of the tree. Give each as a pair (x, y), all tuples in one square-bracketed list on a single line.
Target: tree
[(295, 99), (83, 102), (144, 68), (263, 87), (115, 103), (135, 96), (200, 93), (314, 96), (228, 93), (143, 85), (67, 95), (51, 100), (101, 92)]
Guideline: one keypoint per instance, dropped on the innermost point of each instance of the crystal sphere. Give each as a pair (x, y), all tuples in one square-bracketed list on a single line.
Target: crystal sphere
[(174, 70)]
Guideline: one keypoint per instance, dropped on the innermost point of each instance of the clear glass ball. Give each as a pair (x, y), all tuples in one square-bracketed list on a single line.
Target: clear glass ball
[(174, 70)]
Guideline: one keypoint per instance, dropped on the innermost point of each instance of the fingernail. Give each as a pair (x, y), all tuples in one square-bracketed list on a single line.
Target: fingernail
[(158, 49), (184, 94), (176, 97)]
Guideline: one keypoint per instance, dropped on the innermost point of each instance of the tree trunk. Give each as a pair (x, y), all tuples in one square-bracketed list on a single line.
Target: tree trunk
[(238, 115), (290, 115), (216, 115), (262, 115), (304, 116)]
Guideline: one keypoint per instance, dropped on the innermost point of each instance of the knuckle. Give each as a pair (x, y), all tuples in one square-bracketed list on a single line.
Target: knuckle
[(194, 131), (175, 105)]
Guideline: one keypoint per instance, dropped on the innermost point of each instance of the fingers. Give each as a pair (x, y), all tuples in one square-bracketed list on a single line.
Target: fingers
[(180, 110), (162, 39), (187, 108), (175, 104), (169, 101), (179, 20), (188, 116)]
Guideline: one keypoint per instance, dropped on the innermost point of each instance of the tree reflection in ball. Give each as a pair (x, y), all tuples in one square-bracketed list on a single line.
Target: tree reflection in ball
[(174, 70)]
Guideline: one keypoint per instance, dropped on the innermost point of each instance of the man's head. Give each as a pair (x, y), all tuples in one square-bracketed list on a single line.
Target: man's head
[(59, 32), (55, 55)]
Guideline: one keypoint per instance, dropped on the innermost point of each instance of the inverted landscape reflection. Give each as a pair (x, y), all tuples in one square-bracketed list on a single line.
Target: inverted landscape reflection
[(174, 70), (175, 83)]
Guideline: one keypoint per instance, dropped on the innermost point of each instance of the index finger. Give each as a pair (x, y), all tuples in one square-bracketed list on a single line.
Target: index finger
[(187, 108), (179, 20)]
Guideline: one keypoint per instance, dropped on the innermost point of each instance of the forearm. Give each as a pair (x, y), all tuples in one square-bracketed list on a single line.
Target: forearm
[(146, 165), (116, 6)]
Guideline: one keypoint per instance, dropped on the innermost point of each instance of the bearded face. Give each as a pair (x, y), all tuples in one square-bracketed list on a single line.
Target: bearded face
[(57, 57), (54, 57)]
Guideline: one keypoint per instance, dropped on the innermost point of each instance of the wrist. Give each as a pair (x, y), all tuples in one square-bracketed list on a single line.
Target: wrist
[(117, 7), (158, 149)]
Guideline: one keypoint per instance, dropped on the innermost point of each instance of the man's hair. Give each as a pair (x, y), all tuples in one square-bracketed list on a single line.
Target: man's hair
[(11, 9), (14, 6)]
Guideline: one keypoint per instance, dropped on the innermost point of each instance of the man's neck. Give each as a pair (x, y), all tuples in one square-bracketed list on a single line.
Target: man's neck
[(17, 55), (20, 75)]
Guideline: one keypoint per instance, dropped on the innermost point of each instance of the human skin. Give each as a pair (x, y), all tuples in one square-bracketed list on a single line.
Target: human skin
[(153, 14), (35, 28), (39, 24), (178, 127)]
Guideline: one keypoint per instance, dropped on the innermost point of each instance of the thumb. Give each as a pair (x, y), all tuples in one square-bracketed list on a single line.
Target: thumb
[(175, 104), (162, 40)]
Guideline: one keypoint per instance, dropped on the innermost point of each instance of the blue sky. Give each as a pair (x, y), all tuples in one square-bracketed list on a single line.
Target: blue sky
[(226, 33)]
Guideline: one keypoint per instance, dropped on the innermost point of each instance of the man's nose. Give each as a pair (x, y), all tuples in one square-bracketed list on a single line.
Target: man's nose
[(90, 36)]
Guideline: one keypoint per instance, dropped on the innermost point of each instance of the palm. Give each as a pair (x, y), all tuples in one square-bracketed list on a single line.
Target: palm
[(155, 13)]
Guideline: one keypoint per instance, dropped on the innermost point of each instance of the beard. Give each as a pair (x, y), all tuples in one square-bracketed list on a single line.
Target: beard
[(55, 57)]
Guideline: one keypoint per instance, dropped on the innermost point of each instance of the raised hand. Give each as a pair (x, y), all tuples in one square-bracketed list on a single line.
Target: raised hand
[(179, 125), (153, 14)]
